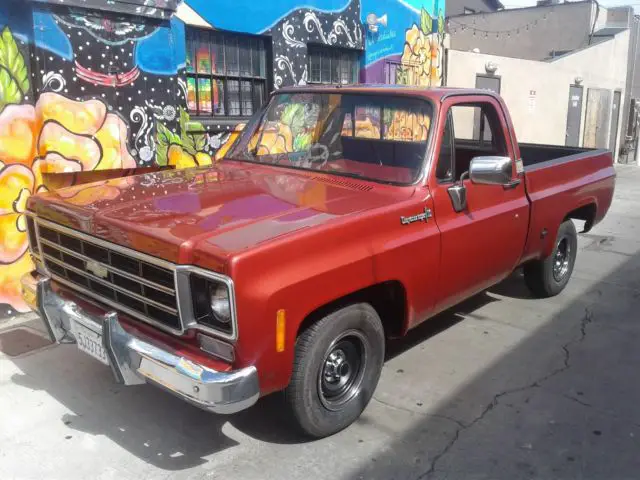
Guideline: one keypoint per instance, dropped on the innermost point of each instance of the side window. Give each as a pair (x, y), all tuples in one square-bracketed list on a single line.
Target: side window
[(477, 132), (391, 123), (444, 170), (479, 125)]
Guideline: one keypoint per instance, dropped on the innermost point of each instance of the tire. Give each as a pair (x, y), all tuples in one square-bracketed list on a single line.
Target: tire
[(548, 277), (314, 394)]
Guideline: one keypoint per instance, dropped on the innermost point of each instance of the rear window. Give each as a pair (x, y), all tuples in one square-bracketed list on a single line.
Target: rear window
[(375, 137)]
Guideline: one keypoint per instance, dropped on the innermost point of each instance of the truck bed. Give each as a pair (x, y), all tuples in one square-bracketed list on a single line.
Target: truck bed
[(535, 154), (579, 180)]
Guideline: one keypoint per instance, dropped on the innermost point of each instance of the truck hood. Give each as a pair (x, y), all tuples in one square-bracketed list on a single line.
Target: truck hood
[(232, 207)]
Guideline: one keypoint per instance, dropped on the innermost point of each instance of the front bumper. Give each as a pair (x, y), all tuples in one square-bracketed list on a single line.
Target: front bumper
[(135, 360)]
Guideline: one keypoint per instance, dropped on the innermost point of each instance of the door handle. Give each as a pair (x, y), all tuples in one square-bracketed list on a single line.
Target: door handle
[(512, 184)]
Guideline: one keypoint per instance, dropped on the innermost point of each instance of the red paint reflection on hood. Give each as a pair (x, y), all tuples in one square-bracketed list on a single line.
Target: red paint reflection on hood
[(231, 206)]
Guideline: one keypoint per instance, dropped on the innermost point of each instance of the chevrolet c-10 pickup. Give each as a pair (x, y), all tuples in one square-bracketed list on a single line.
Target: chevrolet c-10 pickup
[(341, 217)]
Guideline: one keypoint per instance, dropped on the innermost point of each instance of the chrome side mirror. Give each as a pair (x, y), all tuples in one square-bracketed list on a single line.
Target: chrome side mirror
[(491, 170)]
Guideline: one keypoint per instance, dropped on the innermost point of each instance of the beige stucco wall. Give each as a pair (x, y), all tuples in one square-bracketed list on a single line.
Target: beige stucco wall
[(542, 118)]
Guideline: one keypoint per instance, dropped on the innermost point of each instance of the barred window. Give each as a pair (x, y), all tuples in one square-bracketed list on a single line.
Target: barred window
[(333, 65), (226, 73)]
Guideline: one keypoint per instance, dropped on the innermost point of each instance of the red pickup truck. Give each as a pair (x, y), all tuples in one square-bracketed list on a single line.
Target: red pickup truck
[(342, 216)]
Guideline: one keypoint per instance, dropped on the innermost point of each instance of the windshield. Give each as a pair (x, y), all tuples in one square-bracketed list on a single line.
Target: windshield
[(376, 137)]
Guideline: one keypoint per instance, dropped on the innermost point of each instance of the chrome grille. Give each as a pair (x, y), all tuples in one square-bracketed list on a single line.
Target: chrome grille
[(135, 283)]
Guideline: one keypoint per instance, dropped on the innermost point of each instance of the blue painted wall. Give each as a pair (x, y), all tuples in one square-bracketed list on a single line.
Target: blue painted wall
[(383, 49)]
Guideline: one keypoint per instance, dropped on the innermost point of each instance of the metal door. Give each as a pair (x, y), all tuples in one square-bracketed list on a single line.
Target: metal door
[(487, 82), (596, 127), (574, 116), (615, 115), (495, 220)]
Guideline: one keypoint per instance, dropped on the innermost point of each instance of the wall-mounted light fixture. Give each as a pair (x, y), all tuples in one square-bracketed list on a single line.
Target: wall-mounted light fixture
[(578, 80), (490, 67), (373, 22)]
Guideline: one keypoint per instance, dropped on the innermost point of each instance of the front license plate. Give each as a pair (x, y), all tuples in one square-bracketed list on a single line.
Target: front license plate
[(90, 342)]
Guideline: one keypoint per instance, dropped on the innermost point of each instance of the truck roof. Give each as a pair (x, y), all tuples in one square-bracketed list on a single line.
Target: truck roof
[(434, 93)]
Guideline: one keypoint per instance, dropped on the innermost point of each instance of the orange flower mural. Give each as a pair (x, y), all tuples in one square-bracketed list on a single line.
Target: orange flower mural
[(224, 148), (422, 55), (185, 150), (56, 135)]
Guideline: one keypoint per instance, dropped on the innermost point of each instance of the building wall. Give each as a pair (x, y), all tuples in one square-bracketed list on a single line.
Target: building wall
[(291, 25), (457, 7), (402, 41), (404, 31), (408, 47), (537, 93), (633, 76), (80, 90), (529, 33), (104, 88)]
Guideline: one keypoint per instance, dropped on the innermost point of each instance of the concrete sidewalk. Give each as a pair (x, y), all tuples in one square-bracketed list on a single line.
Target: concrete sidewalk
[(501, 387)]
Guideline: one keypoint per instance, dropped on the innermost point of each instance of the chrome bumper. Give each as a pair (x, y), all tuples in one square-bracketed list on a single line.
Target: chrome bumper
[(135, 361)]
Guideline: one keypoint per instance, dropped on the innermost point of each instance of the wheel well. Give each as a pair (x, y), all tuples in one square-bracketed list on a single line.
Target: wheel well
[(387, 298), (586, 213)]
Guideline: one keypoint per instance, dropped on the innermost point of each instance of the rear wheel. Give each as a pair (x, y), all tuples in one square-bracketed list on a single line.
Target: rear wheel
[(548, 277), (337, 365)]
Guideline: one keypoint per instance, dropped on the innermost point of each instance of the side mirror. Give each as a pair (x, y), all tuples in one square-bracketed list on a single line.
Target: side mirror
[(458, 196), (491, 170)]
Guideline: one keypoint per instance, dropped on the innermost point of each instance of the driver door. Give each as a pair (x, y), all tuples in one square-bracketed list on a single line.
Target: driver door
[(482, 243)]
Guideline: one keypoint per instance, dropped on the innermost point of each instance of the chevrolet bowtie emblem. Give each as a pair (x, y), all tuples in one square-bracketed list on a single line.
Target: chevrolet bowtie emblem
[(420, 217), (98, 270)]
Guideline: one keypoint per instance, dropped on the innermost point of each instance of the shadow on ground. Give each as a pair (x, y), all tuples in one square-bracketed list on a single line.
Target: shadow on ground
[(562, 404), (494, 433), (160, 429)]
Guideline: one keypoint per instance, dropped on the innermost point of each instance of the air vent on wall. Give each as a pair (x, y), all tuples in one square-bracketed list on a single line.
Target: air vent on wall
[(342, 182)]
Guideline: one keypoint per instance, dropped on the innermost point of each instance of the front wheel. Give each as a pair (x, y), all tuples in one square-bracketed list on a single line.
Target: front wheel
[(337, 365), (548, 277)]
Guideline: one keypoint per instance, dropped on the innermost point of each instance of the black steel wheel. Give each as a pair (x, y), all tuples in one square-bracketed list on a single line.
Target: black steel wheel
[(548, 277), (561, 259), (340, 378), (337, 365)]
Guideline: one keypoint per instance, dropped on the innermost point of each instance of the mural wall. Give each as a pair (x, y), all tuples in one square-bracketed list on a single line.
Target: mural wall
[(104, 87), (404, 42), (82, 90), (291, 28)]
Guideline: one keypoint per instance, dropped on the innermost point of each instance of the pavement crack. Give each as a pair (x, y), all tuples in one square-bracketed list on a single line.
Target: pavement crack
[(566, 364), (427, 414), (574, 399)]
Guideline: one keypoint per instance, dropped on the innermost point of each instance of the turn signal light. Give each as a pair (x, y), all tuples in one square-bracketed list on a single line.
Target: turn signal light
[(281, 323)]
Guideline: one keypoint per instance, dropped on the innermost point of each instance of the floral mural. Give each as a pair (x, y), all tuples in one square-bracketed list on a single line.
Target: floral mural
[(404, 42), (421, 61), (54, 135), (185, 150)]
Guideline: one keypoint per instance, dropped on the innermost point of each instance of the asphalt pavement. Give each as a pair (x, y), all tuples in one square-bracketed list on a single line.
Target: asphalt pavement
[(503, 386)]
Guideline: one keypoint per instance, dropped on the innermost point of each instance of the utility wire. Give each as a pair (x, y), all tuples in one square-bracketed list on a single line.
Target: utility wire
[(524, 26)]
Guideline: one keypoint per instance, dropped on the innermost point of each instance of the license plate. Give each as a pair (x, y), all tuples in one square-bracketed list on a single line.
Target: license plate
[(90, 342)]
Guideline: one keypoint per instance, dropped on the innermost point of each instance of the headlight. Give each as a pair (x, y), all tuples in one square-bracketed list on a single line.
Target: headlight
[(211, 303), (220, 304)]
